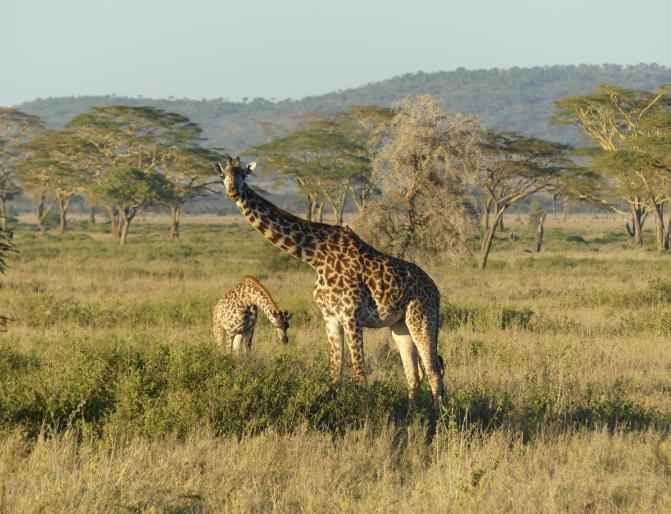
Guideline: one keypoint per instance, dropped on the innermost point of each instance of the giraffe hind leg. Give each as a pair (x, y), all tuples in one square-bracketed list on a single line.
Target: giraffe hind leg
[(422, 324), (413, 370)]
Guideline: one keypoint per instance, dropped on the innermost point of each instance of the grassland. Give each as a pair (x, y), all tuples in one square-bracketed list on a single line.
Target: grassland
[(114, 398)]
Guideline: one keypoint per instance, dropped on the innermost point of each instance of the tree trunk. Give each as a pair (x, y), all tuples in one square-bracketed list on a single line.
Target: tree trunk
[(3, 213), (339, 210), (538, 242), (92, 214), (176, 213), (319, 214), (63, 204), (497, 209), (126, 215), (115, 221), (310, 206), (661, 232), (42, 212), (123, 235), (489, 237), (485, 214), (636, 223)]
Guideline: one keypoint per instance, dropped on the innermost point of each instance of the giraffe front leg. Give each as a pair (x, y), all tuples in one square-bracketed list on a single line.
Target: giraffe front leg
[(354, 337), (219, 335), (334, 332)]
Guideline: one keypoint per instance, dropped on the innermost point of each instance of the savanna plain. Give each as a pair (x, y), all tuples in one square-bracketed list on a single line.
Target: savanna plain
[(114, 397)]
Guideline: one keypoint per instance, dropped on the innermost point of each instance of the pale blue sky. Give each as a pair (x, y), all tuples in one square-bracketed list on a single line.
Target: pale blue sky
[(295, 48)]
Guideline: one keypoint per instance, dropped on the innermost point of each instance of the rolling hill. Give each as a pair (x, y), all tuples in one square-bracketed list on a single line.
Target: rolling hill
[(518, 99)]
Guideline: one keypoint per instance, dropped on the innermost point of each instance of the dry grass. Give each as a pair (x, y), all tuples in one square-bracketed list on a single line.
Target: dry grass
[(568, 410)]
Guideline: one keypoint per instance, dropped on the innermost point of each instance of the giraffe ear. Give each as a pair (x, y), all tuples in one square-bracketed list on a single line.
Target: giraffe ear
[(250, 168), (287, 315)]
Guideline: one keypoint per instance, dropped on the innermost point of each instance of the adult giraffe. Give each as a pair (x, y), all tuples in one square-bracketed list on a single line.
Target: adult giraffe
[(357, 286)]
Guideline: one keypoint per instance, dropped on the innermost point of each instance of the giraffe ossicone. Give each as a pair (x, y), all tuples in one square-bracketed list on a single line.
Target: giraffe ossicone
[(357, 287)]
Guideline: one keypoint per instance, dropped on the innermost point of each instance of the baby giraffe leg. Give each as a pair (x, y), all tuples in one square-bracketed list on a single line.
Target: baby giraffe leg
[(237, 343)]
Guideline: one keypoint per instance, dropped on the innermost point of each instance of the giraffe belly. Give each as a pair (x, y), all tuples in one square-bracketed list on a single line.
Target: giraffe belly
[(372, 317)]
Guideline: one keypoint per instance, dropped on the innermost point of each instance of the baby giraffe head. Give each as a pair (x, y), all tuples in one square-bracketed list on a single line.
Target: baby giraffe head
[(281, 323), (233, 175)]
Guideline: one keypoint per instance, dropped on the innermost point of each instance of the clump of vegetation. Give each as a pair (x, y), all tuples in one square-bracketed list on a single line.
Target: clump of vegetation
[(430, 159)]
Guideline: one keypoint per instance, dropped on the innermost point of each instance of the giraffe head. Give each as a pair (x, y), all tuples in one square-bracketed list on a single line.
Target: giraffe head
[(281, 323), (233, 175)]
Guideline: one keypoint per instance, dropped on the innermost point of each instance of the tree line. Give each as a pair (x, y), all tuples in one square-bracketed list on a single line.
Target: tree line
[(122, 158), (421, 180)]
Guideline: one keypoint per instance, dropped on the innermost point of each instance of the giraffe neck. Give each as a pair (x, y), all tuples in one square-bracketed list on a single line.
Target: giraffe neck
[(256, 294), (297, 237)]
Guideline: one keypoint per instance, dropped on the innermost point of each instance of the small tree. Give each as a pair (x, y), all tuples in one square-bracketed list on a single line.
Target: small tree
[(428, 166), (56, 164), (535, 212), (329, 159), (16, 128), (619, 122), (131, 190), (515, 168)]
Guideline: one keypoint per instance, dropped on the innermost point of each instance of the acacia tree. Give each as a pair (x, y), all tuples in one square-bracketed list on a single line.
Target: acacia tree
[(329, 159), (130, 191), (147, 139), (318, 160), (616, 120), (366, 127), (515, 167), (16, 128), (428, 164), (55, 164)]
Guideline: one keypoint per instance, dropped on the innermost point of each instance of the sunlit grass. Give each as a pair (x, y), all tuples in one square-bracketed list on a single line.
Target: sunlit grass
[(114, 397)]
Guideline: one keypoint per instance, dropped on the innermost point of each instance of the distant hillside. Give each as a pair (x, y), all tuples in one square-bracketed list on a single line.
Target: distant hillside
[(518, 99)]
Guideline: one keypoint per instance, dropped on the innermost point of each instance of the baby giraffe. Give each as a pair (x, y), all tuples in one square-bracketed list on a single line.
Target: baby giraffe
[(234, 316)]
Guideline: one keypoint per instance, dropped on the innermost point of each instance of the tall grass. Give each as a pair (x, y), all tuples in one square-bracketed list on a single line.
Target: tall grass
[(113, 396)]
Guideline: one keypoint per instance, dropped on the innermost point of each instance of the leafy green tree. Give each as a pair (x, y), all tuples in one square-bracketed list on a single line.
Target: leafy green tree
[(515, 167), (367, 127), (56, 164), (329, 159), (130, 191), (626, 126), (147, 139), (16, 128)]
